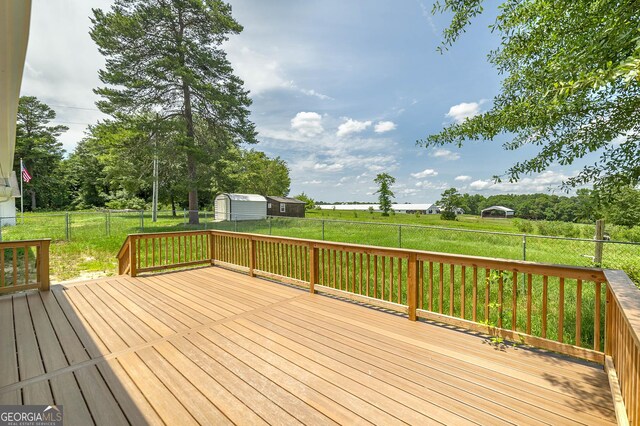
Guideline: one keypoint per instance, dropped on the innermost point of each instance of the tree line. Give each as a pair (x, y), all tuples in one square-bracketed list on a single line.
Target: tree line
[(588, 205), (112, 167)]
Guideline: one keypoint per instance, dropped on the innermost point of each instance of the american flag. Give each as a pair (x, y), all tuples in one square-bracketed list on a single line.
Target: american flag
[(25, 175)]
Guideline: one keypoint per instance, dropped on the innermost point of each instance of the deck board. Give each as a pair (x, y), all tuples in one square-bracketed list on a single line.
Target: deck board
[(212, 346)]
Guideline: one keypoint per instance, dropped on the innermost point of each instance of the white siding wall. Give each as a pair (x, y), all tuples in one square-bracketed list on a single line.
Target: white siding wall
[(248, 210), (8, 212)]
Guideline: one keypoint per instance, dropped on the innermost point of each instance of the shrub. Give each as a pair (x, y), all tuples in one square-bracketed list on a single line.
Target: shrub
[(524, 226), (448, 215)]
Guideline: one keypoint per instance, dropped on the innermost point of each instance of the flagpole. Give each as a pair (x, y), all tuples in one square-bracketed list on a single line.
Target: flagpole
[(21, 192)]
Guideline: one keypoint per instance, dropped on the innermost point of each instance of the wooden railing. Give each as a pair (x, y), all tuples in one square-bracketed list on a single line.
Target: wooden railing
[(168, 250), (24, 265), (622, 347), (560, 308)]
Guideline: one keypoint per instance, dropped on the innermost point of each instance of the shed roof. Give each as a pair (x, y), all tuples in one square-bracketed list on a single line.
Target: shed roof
[(245, 197), (501, 208), (285, 200)]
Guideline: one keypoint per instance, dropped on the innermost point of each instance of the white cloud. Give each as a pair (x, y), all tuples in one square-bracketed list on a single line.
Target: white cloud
[(312, 182), (462, 178), (480, 185), (312, 92), (323, 167), (352, 126), (425, 173), (542, 182), (445, 154), (430, 185), (307, 123), (464, 110), (384, 126)]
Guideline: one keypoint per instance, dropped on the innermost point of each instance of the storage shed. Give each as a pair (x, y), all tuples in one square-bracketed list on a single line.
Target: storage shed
[(498, 212), (240, 207), (284, 206), (8, 207)]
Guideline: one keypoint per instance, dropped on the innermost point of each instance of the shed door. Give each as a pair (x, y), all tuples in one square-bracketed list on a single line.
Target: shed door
[(222, 208)]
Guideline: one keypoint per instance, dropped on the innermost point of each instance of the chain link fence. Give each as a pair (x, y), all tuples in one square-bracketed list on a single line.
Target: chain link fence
[(81, 226)]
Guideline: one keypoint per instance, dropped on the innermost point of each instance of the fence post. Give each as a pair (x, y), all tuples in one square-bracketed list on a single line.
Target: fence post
[(269, 225), (399, 236), (313, 267), (44, 265), (67, 230), (205, 220), (141, 220), (597, 258), (412, 285), (322, 229), (184, 218)]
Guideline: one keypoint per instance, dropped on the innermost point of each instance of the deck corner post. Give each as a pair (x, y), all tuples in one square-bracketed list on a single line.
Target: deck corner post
[(252, 256), (412, 286), (44, 265), (313, 267), (133, 252)]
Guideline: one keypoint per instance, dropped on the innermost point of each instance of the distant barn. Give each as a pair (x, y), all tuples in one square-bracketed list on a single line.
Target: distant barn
[(497, 212), (285, 206), (240, 207)]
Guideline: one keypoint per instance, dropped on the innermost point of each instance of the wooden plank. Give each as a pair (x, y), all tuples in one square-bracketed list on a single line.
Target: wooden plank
[(475, 294), (203, 410), (8, 356), (29, 356), (112, 316), (105, 337), (431, 286), (342, 390), (236, 400), (336, 352), (424, 368), (135, 406), (614, 383), (166, 405), (440, 287), (463, 291), (267, 398), (336, 368), (297, 385)]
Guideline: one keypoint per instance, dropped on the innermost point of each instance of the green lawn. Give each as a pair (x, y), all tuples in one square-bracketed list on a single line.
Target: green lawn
[(95, 238)]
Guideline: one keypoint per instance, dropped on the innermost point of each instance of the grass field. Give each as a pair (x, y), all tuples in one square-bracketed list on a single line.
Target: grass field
[(93, 239)]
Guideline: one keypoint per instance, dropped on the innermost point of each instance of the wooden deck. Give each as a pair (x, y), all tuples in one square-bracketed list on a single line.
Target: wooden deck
[(211, 346)]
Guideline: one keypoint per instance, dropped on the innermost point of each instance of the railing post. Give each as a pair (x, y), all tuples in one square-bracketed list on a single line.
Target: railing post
[(212, 248), (133, 256), (44, 265), (252, 256), (412, 286), (313, 267)]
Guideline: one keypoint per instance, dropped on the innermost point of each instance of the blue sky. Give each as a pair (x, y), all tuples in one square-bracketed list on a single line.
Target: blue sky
[(341, 91)]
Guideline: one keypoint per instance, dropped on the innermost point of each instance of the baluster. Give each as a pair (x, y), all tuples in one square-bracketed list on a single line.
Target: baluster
[(514, 301), (474, 294), (529, 297), (561, 311), (545, 288), (578, 313), (463, 292)]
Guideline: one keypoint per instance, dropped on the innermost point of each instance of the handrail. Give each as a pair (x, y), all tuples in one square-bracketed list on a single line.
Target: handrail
[(29, 265), (622, 345)]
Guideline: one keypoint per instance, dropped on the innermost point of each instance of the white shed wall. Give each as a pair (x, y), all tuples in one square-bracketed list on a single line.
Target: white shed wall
[(248, 210), (8, 212)]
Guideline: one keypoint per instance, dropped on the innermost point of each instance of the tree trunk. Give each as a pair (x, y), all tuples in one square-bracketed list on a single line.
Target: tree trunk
[(33, 200), (188, 117), (173, 203)]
